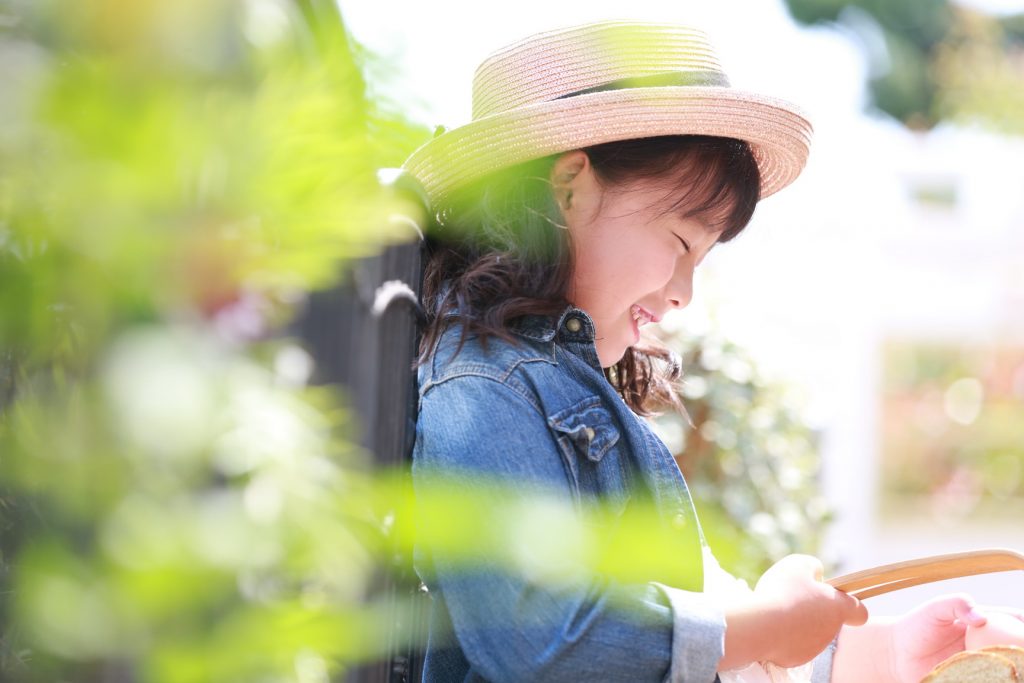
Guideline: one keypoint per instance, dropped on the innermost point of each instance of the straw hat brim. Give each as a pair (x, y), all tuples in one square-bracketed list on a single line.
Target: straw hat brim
[(779, 134)]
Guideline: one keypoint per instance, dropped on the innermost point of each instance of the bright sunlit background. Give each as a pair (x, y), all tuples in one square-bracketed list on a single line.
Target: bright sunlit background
[(899, 246), (189, 490)]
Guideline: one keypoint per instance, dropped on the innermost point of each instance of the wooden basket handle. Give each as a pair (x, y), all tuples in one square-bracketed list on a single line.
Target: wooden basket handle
[(891, 577)]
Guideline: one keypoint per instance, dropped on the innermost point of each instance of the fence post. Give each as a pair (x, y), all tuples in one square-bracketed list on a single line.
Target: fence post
[(363, 336)]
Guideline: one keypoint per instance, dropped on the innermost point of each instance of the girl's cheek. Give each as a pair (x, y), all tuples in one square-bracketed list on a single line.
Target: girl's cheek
[(666, 270)]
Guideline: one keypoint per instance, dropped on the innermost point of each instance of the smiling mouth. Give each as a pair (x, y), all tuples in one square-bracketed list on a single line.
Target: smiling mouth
[(641, 316)]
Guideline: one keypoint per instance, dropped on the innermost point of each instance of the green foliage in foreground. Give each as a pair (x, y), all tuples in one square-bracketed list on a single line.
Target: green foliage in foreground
[(175, 177)]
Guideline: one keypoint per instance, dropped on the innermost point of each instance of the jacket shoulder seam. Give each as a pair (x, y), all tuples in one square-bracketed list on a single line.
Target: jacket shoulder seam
[(482, 371)]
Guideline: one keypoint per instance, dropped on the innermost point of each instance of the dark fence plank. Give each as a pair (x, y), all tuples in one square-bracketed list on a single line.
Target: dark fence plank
[(367, 346)]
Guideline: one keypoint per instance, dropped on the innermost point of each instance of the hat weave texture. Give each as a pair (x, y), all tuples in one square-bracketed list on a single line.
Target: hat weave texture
[(587, 85)]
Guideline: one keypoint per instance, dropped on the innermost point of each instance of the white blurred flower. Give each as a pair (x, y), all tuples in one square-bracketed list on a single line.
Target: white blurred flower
[(963, 400), (158, 383)]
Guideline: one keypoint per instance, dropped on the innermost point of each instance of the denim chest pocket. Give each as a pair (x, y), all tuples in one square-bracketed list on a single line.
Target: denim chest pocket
[(588, 440)]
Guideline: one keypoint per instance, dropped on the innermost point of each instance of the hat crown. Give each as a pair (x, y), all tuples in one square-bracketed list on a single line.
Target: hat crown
[(557, 64), (590, 85)]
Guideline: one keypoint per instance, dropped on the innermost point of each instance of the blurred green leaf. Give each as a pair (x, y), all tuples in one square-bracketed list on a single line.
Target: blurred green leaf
[(177, 177)]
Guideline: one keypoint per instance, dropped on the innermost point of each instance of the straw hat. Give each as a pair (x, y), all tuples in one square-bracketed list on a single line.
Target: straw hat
[(597, 83)]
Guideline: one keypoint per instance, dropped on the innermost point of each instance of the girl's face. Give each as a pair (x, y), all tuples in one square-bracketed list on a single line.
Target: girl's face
[(632, 260)]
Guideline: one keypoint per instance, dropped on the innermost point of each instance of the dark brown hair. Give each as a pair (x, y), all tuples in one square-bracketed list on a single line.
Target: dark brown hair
[(498, 252)]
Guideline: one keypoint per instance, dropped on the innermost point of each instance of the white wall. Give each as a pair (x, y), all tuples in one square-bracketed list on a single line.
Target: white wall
[(846, 260)]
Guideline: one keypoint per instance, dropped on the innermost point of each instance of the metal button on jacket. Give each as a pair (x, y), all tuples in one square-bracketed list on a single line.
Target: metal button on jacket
[(573, 324)]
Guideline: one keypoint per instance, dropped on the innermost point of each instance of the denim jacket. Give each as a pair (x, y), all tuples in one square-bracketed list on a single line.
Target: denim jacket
[(541, 411)]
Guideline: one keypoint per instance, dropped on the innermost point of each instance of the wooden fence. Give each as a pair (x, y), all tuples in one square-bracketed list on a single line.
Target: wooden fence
[(363, 337)]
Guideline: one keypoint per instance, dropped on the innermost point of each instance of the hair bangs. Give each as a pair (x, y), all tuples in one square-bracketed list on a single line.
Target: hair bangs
[(713, 179), (719, 184)]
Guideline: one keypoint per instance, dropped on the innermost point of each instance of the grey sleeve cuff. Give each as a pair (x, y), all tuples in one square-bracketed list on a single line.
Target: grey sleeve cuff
[(822, 672), (698, 636)]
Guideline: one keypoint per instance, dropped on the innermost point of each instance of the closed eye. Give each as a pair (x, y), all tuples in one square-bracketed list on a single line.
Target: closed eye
[(686, 245)]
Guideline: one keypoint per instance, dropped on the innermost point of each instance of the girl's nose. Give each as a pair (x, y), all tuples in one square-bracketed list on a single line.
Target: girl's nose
[(679, 292)]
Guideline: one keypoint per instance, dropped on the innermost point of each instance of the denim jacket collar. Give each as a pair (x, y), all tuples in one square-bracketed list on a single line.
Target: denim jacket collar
[(573, 329), (572, 323)]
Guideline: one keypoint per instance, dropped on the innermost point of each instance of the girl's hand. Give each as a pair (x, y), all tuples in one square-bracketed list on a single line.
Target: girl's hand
[(930, 633), (1004, 626), (904, 649), (811, 611), (791, 617)]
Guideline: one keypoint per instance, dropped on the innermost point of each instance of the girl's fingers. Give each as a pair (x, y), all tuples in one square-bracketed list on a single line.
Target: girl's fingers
[(1003, 609), (956, 607), (974, 617), (856, 611)]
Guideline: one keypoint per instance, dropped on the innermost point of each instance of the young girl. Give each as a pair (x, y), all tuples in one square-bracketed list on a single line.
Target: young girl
[(602, 164)]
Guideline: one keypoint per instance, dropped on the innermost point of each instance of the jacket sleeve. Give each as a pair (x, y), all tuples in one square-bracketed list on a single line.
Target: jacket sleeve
[(823, 664), (512, 629)]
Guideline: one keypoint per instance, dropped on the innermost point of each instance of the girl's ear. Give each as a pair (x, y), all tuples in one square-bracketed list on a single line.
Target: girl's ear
[(567, 175), (568, 167)]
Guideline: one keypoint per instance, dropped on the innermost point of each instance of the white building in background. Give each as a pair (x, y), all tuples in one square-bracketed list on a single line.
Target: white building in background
[(891, 235), (952, 272)]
